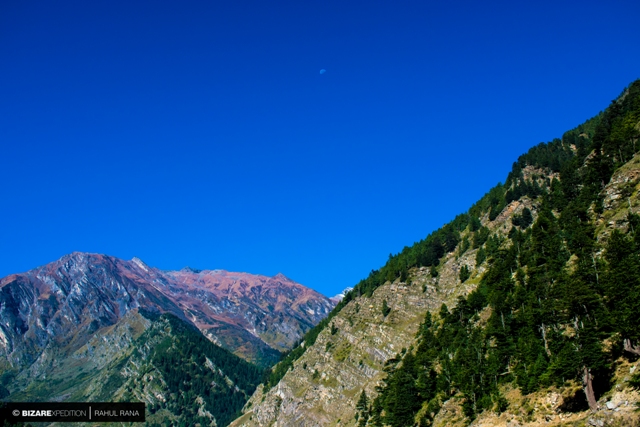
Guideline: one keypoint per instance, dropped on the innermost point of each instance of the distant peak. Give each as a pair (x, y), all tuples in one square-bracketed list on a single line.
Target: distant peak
[(341, 295), (188, 269), (78, 256), (281, 276), (137, 261)]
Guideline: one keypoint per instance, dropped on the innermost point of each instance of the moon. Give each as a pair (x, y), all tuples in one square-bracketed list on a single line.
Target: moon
[(323, 71)]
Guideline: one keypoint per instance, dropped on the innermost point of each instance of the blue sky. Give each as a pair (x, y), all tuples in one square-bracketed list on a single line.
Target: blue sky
[(202, 133)]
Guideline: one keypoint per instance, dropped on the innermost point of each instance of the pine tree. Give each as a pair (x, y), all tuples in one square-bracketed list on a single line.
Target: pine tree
[(363, 402), (622, 288), (385, 308), (363, 409), (464, 273)]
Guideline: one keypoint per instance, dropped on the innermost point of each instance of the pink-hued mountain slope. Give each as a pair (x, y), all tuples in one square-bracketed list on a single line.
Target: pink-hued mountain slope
[(63, 303)]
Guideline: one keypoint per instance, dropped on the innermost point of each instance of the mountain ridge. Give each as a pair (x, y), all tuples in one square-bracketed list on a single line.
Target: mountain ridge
[(92, 326), (216, 301), (566, 214)]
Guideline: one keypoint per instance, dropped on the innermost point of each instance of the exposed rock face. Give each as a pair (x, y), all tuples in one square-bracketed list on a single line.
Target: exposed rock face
[(125, 362), (275, 309), (620, 197), (62, 304), (325, 383)]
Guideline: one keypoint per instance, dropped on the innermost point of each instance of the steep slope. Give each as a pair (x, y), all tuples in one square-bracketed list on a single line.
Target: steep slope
[(88, 327), (63, 303), (323, 386), (275, 309), (541, 295), (183, 378)]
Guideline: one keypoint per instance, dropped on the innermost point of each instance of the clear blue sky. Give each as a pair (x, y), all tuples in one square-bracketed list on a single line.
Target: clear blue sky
[(202, 133)]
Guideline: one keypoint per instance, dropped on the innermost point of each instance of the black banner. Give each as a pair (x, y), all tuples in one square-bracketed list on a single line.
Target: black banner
[(71, 412)]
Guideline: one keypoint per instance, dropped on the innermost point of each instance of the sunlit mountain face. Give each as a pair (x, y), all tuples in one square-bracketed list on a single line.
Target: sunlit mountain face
[(67, 301)]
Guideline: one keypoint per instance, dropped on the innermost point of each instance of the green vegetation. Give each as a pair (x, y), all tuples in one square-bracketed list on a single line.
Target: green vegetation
[(481, 255), (464, 245), (342, 351), (273, 376), (385, 308), (193, 369), (480, 237), (464, 273), (362, 408), (548, 321), (524, 220), (433, 271), (549, 318)]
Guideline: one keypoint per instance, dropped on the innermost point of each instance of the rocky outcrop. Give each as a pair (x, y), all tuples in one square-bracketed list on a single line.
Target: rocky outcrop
[(60, 306), (349, 356), (275, 309), (620, 197)]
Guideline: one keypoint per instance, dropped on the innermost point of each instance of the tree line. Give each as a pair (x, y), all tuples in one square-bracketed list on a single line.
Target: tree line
[(552, 300)]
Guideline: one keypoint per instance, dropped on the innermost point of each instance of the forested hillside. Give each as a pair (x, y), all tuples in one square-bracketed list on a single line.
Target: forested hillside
[(550, 261), (202, 383), (563, 305)]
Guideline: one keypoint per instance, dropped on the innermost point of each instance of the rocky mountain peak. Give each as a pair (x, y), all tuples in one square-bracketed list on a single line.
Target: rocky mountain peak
[(137, 261), (282, 277), (69, 299), (188, 269)]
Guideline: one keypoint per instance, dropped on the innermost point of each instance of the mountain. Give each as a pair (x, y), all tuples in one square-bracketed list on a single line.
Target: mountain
[(337, 298), (253, 316), (183, 378), (91, 319), (521, 311)]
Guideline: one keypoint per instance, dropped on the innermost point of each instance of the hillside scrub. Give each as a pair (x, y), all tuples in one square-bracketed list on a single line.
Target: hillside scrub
[(556, 294)]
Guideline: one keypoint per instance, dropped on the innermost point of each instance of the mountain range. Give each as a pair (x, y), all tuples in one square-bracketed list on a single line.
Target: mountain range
[(82, 320), (521, 311), (253, 316)]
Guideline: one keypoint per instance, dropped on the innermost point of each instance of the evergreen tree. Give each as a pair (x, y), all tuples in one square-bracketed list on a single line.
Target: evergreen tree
[(363, 402), (385, 308), (363, 409), (464, 273), (622, 288)]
